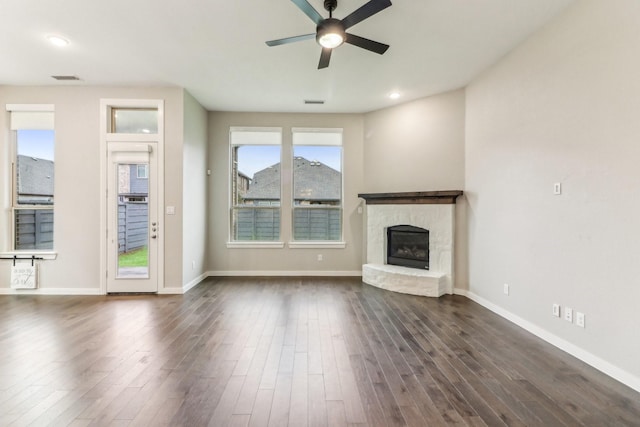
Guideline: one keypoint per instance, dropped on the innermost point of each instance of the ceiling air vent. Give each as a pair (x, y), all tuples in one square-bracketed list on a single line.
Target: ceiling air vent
[(313, 102), (66, 77)]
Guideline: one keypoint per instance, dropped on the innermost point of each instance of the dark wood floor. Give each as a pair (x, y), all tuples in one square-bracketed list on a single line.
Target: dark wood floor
[(297, 352)]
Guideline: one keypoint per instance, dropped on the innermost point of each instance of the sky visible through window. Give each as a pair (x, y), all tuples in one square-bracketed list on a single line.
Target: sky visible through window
[(254, 158), (36, 143)]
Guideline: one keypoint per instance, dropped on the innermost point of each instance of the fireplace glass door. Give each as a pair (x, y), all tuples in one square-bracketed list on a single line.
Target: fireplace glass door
[(408, 246)]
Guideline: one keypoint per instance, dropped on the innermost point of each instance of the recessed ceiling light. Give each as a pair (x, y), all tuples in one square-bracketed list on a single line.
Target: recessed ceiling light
[(58, 41), (394, 95)]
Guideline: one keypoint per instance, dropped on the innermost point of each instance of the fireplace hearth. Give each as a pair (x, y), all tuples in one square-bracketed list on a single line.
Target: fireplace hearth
[(408, 246)]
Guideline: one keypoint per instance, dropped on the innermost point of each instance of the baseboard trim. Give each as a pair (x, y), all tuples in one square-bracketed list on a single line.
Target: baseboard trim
[(270, 273), (594, 361), (51, 291), (186, 287), (176, 290)]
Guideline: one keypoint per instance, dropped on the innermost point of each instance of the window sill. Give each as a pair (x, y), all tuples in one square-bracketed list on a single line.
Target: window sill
[(317, 245), (25, 255), (255, 245)]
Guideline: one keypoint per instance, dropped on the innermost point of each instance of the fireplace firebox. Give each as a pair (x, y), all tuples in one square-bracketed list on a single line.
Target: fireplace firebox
[(408, 246)]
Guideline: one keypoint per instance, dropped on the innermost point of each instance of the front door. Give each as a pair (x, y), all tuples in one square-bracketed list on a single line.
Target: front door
[(132, 218)]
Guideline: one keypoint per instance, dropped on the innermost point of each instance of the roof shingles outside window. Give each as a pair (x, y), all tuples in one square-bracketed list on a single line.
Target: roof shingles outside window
[(313, 182), (35, 180)]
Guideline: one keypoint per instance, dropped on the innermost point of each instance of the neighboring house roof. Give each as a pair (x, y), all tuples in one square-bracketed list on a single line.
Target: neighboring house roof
[(35, 176), (314, 181), (265, 184)]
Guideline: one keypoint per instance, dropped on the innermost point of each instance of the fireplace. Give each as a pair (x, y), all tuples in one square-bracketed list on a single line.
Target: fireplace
[(435, 212), (408, 246)]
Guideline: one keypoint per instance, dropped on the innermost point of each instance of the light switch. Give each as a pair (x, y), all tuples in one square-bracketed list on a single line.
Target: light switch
[(171, 210), (557, 188)]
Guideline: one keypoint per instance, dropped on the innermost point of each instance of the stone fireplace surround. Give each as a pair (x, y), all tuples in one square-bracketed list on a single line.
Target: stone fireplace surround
[(432, 210)]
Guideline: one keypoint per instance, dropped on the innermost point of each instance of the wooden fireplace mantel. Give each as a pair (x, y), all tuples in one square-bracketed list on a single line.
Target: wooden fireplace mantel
[(412, 198)]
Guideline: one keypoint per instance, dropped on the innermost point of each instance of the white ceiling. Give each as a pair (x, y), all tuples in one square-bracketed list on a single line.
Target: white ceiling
[(215, 49)]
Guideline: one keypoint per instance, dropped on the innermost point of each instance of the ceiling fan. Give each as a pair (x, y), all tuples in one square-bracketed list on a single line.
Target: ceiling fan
[(331, 32)]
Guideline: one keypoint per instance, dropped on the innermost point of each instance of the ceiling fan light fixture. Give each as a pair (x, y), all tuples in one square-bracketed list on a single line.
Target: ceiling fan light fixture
[(57, 40), (330, 33), (331, 40)]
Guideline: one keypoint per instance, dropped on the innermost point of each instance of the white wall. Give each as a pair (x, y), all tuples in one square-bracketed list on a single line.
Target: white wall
[(194, 192), (563, 107), (419, 146), (223, 260), (77, 181)]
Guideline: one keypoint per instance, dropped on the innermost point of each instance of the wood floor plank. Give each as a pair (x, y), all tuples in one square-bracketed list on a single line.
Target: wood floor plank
[(281, 405), (289, 351), (262, 408), (350, 396), (317, 401), (224, 411), (336, 414)]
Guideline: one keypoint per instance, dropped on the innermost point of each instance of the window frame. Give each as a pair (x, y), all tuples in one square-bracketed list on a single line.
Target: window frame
[(243, 136), (311, 134), (26, 117)]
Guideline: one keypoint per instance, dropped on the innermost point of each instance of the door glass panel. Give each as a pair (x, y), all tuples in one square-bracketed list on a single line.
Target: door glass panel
[(133, 221)]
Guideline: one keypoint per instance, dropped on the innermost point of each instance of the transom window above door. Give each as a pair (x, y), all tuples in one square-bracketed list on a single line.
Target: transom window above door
[(134, 120)]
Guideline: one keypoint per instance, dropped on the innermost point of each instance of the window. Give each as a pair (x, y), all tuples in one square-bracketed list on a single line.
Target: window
[(134, 120), (255, 184), (33, 177), (142, 172), (317, 184)]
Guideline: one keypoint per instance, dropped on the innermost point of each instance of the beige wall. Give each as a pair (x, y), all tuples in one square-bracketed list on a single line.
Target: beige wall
[(416, 146), (563, 107), (77, 181), (287, 261), (419, 146), (194, 192)]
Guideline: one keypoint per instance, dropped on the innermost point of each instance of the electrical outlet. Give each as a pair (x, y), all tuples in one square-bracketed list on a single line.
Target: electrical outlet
[(580, 319), (193, 265), (319, 257), (568, 314), (556, 310), (505, 289)]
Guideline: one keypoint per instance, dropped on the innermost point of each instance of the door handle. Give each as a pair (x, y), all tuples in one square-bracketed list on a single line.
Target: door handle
[(153, 236)]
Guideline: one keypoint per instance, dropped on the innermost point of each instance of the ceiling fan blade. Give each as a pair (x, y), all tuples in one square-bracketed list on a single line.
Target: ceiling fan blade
[(325, 56), (367, 44), (308, 10), (288, 40), (365, 11)]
